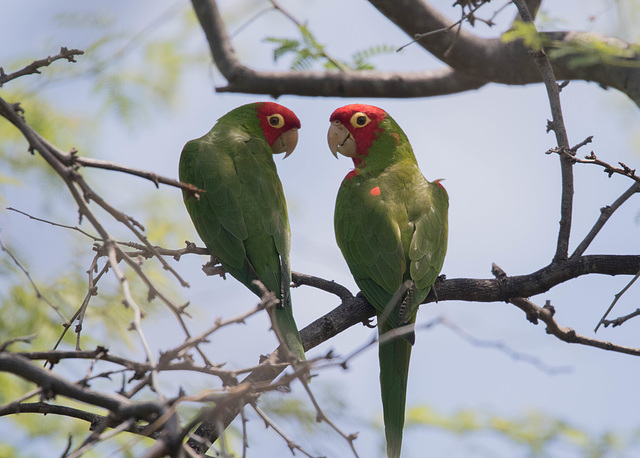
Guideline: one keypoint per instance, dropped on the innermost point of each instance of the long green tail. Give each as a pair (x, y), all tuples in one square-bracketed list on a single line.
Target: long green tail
[(394, 358), (289, 331)]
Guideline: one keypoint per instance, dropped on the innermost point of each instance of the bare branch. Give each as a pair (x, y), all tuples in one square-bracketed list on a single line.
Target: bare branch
[(617, 321), (331, 286), (557, 125), (155, 178), (565, 334), (39, 295), (34, 67), (605, 214), (622, 319), (473, 61), (269, 423), (342, 84), (591, 158)]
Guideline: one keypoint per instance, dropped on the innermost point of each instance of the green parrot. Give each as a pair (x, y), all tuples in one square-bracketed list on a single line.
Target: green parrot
[(242, 215), (391, 226)]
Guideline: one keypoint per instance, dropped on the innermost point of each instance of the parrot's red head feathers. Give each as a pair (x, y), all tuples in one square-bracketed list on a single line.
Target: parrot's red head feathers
[(362, 122), (275, 120)]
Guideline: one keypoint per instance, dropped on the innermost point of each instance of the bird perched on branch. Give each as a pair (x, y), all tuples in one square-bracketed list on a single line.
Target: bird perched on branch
[(391, 226), (242, 215)]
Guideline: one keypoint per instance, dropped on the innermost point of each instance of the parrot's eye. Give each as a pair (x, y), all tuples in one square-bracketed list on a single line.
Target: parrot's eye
[(276, 120), (360, 119)]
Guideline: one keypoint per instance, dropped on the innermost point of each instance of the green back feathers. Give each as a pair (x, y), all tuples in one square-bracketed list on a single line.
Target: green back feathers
[(242, 216), (391, 226)]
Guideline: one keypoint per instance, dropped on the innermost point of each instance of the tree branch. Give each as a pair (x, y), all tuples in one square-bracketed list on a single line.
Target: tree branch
[(473, 61), (557, 125), (34, 67), (356, 309), (341, 84)]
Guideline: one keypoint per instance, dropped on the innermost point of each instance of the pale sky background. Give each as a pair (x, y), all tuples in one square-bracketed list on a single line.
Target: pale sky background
[(504, 207)]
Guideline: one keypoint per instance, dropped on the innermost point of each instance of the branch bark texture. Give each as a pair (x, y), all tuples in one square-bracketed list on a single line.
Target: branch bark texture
[(471, 61)]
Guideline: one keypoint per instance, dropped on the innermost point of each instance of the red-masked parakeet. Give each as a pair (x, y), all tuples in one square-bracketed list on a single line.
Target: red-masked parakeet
[(391, 226), (242, 215)]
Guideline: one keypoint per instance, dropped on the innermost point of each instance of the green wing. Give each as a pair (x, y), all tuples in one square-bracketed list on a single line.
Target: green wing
[(242, 217), (397, 235)]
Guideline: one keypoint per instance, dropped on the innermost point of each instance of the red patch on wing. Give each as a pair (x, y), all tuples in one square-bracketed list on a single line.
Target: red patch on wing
[(364, 136), (266, 109), (375, 191), (439, 182)]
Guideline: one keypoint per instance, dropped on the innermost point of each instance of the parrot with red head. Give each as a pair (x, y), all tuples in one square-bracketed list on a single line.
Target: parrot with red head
[(391, 226), (242, 215)]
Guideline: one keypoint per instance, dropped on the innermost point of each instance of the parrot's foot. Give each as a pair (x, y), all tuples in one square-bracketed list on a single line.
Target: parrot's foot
[(369, 323)]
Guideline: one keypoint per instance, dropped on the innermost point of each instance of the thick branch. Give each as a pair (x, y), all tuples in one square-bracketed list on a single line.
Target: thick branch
[(341, 84), (354, 310), (508, 63), (123, 408), (473, 61)]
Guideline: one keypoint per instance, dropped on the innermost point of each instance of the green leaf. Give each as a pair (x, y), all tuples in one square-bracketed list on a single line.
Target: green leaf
[(525, 31)]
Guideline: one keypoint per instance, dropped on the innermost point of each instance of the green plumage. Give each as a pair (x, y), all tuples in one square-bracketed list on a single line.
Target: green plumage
[(242, 217), (392, 237)]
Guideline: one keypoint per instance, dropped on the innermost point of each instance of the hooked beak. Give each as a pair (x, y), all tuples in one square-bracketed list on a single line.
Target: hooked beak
[(340, 140), (286, 143)]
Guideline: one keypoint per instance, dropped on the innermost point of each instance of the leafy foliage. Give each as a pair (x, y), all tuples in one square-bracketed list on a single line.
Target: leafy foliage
[(583, 52), (524, 31), (307, 51), (537, 434), (580, 52)]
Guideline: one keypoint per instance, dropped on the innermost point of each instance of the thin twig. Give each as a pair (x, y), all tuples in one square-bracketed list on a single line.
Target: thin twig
[(321, 417), (34, 67), (151, 176), (616, 298), (605, 214), (458, 24), (52, 223), (591, 158), (39, 295), (269, 423), (541, 60)]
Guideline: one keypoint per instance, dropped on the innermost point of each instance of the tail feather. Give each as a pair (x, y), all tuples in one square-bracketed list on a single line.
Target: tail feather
[(288, 330), (394, 356)]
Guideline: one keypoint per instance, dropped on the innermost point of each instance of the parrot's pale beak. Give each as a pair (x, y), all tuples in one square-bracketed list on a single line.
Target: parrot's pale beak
[(340, 140), (286, 143)]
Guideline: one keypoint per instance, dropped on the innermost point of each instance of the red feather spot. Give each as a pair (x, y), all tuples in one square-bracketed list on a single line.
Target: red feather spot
[(375, 191)]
